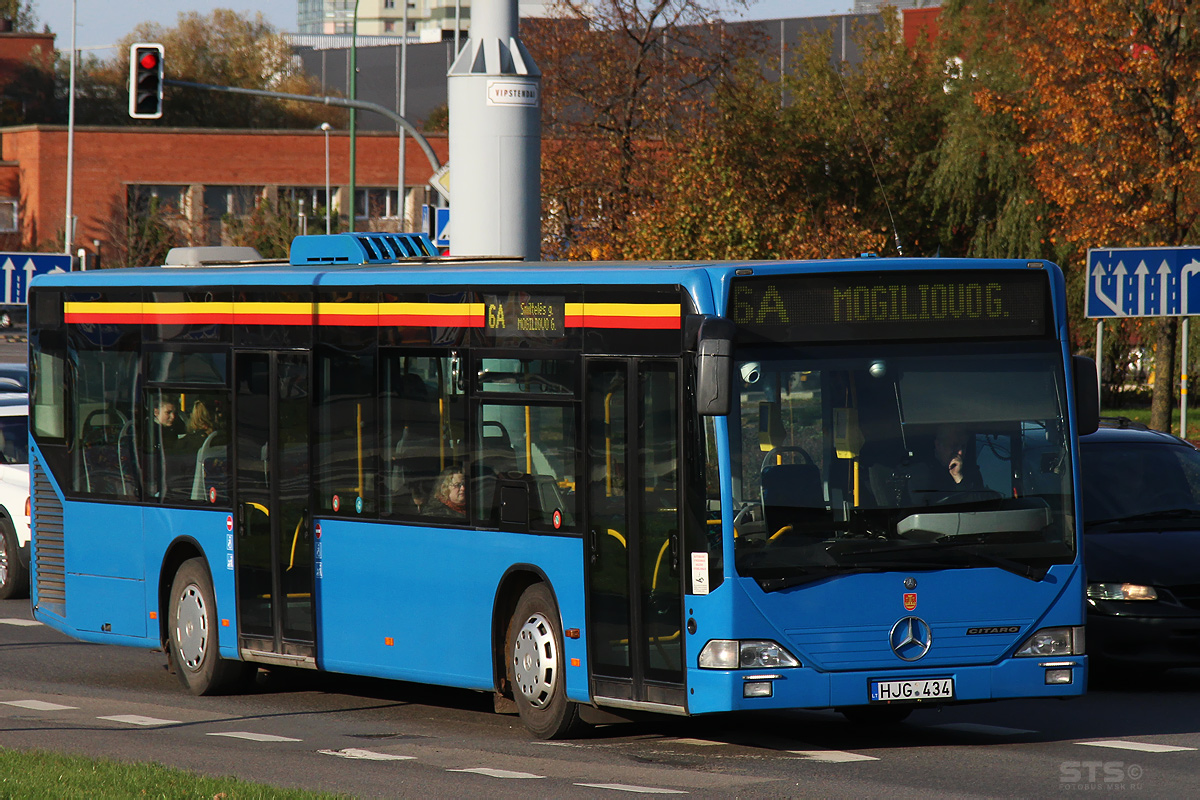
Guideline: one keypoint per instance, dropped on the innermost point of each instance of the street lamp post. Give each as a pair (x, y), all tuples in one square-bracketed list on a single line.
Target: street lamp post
[(353, 120), (326, 127), (69, 226)]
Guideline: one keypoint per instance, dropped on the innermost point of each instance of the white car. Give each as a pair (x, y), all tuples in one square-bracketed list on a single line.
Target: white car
[(14, 495)]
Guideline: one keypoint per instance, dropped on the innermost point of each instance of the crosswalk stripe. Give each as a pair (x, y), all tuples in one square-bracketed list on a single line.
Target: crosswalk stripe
[(255, 737), (497, 773), (364, 755), (20, 623), (831, 756), (1142, 747), (624, 787), (37, 705), (134, 719)]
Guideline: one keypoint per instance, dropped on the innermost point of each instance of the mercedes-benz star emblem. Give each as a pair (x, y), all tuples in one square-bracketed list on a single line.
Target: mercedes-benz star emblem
[(911, 638), (910, 583)]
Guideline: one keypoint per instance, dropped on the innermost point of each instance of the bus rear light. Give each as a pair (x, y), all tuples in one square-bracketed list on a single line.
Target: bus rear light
[(27, 506), (745, 654)]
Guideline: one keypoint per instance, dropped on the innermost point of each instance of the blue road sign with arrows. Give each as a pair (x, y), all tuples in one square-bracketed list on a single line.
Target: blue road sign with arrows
[(20, 269), (1143, 282)]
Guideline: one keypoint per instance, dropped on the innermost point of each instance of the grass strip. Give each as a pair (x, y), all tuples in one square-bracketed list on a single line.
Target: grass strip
[(39, 774)]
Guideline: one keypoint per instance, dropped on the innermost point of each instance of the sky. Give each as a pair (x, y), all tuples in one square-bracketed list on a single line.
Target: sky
[(104, 22)]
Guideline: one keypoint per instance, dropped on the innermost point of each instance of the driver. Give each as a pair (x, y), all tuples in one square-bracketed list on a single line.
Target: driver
[(949, 469)]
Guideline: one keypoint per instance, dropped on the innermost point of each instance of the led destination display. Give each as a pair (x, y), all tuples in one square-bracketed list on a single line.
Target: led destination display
[(856, 306)]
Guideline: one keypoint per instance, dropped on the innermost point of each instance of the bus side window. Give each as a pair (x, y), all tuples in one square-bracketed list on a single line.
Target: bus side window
[(524, 469), (423, 423), (106, 453)]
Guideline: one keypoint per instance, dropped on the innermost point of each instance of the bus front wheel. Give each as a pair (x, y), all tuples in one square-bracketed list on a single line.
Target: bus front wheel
[(193, 633), (534, 650)]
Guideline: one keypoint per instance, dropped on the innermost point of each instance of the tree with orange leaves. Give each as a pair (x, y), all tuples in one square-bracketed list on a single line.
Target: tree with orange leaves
[(1112, 123)]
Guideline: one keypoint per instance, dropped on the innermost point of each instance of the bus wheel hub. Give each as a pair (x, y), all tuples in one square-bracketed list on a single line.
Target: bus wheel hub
[(535, 661)]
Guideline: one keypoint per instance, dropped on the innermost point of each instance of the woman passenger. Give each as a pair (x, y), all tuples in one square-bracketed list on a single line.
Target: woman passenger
[(449, 496)]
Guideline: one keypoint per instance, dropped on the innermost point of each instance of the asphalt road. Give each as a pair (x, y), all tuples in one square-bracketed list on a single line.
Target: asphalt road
[(13, 346), (369, 738)]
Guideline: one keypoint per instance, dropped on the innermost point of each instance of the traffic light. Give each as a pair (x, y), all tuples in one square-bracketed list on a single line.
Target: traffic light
[(145, 80)]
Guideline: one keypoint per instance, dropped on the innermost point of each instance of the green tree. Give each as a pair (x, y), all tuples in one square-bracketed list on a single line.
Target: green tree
[(980, 185), (269, 228), (224, 48), (824, 176)]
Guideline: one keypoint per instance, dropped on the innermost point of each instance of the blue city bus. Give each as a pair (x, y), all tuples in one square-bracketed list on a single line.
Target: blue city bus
[(590, 489)]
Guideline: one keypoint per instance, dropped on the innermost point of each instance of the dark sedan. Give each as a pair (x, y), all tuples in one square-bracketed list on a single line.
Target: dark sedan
[(1141, 506)]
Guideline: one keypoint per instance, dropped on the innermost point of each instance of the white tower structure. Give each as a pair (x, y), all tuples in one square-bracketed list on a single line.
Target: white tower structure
[(494, 100)]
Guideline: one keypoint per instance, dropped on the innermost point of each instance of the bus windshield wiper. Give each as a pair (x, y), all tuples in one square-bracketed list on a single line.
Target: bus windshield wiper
[(1147, 516), (940, 551)]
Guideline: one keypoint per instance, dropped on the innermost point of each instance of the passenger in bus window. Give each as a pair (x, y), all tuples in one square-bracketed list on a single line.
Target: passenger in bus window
[(165, 448), (201, 421), (449, 495)]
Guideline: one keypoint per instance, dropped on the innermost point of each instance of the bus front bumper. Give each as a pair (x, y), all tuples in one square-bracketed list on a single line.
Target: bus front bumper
[(711, 691)]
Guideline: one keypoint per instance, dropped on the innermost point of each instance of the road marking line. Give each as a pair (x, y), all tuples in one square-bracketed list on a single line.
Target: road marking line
[(365, 755), (831, 756), (497, 773), (1142, 747), (624, 787), (697, 742), (256, 737), (22, 623), (134, 719), (37, 705), (973, 727)]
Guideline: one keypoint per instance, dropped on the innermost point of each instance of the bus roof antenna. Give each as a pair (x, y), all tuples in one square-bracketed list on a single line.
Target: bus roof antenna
[(867, 150)]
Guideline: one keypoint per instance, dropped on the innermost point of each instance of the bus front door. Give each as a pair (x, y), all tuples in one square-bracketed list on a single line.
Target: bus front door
[(274, 549), (635, 604)]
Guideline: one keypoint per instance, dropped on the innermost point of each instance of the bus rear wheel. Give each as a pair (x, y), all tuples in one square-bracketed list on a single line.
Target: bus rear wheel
[(192, 631), (534, 650)]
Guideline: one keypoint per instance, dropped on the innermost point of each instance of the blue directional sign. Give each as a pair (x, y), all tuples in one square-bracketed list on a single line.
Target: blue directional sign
[(20, 269), (1143, 282), (441, 227)]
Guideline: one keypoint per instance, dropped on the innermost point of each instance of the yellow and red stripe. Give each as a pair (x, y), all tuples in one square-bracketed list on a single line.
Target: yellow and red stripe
[(636, 316), (630, 316)]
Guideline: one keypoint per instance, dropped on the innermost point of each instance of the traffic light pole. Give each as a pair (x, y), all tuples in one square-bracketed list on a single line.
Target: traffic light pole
[(342, 102)]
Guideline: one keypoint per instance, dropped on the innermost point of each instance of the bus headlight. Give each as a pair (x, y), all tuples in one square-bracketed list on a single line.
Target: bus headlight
[(1054, 642), (745, 654), (1120, 591)]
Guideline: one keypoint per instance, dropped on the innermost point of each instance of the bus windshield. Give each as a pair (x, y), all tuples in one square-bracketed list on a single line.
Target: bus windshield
[(872, 458)]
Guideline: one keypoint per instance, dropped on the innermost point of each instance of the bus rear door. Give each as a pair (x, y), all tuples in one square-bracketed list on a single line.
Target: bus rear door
[(274, 529)]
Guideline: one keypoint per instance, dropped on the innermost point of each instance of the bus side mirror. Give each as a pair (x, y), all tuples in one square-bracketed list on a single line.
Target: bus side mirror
[(714, 367), (1087, 395)]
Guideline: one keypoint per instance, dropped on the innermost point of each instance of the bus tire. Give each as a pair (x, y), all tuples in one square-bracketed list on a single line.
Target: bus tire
[(534, 652), (14, 578), (192, 633)]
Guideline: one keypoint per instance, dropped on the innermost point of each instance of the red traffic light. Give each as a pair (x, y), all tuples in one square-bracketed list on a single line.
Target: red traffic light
[(146, 80)]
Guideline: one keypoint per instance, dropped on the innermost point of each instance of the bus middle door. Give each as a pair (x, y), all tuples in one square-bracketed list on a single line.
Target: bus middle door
[(635, 605), (274, 528)]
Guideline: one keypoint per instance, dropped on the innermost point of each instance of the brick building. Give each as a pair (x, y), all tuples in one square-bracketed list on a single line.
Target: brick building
[(201, 175)]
